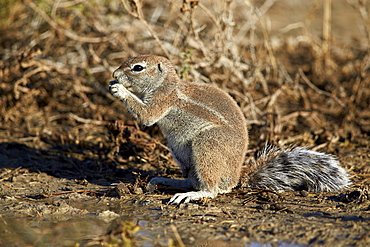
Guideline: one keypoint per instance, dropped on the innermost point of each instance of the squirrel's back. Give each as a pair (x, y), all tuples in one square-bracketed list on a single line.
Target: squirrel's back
[(211, 103)]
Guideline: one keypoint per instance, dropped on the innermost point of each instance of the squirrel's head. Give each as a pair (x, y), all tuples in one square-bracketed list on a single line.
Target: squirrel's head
[(144, 73)]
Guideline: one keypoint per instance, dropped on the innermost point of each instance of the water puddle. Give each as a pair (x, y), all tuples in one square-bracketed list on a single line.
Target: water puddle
[(78, 231), (132, 221), (95, 230)]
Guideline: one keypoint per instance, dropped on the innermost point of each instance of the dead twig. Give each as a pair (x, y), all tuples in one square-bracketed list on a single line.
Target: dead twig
[(136, 11), (60, 29), (326, 31), (24, 79), (8, 173), (189, 6), (319, 91), (88, 121), (177, 236), (76, 191)]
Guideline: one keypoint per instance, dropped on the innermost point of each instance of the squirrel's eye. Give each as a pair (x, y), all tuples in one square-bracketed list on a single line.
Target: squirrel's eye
[(137, 68)]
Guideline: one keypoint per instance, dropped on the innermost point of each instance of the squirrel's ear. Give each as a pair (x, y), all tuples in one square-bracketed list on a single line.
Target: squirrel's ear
[(159, 68)]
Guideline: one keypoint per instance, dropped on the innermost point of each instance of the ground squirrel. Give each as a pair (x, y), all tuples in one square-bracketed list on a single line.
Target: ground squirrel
[(208, 137)]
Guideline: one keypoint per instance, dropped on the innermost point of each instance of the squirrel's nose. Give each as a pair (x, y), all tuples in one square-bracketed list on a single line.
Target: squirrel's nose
[(117, 73)]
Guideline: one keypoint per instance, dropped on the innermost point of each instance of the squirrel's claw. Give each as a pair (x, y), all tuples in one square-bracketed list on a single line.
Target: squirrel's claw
[(191, 196)]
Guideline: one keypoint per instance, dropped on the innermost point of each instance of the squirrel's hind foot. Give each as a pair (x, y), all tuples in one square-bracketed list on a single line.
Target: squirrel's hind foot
[(191, 196), (182, 197)]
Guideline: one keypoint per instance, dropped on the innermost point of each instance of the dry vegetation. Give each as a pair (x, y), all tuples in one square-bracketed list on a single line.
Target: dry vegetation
[(295, 85)]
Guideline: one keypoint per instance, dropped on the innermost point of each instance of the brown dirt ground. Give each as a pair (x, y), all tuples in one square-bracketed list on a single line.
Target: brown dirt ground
[(74, 165)]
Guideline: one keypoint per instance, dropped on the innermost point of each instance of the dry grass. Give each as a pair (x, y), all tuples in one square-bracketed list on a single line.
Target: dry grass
[(57, 58)]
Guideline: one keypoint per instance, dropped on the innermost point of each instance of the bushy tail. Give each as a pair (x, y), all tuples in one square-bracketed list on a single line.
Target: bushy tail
[(295, 169)]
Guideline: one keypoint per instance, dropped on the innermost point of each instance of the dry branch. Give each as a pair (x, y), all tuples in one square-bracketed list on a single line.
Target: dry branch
[(326, 31), (319, 91), (60, 29), (136, 11)]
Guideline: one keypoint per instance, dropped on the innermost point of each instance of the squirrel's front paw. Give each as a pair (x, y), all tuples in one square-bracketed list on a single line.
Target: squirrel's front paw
[(117, 90)]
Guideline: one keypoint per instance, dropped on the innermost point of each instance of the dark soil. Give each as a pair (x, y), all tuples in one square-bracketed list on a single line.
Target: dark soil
[(74, 165)]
